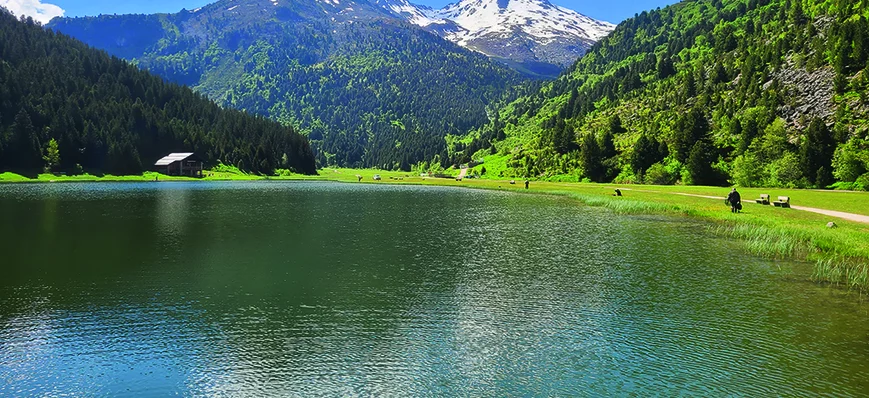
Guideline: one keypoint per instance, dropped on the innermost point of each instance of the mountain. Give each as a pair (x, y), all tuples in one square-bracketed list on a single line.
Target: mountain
[(69, 107), (367, 88), (534, 36), (748, 92)]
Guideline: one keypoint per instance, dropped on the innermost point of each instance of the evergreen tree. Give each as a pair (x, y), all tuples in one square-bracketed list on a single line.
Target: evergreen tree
[(748, 131), (816, 153), (690, 84), (590, 158), (52, 155), (608, 154), (689, 128), (25, 144), (562, 140), (645, 154), (699, 164), (665, 67), (615, 126), (798, 16)]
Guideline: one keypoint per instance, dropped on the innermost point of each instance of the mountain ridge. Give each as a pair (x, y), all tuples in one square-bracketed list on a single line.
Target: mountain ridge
[(369, 89), (536, 33)]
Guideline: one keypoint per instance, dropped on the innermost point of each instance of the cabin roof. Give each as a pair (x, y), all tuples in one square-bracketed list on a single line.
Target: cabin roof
[(173, 157)]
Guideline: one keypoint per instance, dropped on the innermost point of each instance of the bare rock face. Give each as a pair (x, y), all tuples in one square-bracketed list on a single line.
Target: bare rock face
[(810, 94)]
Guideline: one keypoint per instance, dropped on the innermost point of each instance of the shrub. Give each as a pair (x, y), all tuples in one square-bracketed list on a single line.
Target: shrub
[(862, 183), (748, 171), (660, 174), (848, 164), (786, 172)]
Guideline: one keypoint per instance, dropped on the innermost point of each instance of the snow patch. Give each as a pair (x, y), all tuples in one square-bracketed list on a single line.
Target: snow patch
[(539, 19)]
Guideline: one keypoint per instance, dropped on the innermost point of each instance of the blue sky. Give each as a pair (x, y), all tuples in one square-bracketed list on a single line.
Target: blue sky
[(609, 10)]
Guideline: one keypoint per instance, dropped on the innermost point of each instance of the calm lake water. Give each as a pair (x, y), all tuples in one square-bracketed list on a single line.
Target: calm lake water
[(310, 289)]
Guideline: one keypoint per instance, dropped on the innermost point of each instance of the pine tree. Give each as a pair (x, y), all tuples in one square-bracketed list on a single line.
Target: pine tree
[(690, 128), (615, 126), (52, 155), (699, 164), (645, 154), (562, 138), (690, 84), (798, 16), (25, 144), (590, 158), (816, 153), (609, 156), (665, 67)]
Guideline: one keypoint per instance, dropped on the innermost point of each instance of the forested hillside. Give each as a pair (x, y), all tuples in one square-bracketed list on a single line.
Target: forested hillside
[(751, 92), (68, 107), (367, 88)]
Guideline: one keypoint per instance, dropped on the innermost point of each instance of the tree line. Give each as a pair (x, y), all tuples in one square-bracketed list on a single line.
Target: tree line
[(67, 107)]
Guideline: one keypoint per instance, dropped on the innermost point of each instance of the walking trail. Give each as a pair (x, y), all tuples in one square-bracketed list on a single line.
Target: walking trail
[(832, 213), (463, 173)]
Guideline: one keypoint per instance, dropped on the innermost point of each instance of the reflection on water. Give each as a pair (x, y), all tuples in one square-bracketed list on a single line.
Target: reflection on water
[(173, 203), (341, 289)]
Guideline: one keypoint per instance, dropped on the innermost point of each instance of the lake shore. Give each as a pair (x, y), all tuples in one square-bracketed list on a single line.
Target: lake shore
[(840, 254)]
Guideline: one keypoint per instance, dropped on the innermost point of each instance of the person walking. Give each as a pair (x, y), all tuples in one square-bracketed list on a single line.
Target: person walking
[(735, 201), (526, 184)]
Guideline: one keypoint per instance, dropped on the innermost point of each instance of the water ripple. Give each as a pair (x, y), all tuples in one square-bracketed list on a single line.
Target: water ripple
[(319, 289)]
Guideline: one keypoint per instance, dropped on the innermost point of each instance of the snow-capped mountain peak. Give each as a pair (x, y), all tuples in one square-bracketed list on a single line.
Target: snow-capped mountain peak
[(533, 33), (538, 18), (416, 14)]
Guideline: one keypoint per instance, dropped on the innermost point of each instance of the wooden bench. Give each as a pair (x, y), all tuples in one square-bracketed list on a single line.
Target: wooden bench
[(783, 201), (764, 199)]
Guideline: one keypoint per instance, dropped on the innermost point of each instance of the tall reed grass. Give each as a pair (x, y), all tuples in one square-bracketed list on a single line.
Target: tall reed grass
[(771, 241), (850, 273), (620, 205), (780, 242)]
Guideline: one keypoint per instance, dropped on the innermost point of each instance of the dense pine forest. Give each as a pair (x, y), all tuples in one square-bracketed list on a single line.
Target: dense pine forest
[(369, 90), (750, 92), (67, 107)]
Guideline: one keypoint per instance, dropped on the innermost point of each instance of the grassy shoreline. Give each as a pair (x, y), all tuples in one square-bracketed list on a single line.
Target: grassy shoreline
[(840, 255)]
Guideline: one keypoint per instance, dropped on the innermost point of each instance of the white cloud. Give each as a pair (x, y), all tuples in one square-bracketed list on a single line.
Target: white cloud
[(40, 12)]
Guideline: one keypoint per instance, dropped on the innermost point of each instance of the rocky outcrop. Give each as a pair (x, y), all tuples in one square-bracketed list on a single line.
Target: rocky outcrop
[(809, 94)]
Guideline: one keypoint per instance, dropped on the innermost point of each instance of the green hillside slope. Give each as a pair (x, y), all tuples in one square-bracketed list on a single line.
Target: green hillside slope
[(366, 87), (752, 92), (68, 107)]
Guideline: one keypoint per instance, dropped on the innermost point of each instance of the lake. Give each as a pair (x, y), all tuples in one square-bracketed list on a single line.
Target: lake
[(317, 288)]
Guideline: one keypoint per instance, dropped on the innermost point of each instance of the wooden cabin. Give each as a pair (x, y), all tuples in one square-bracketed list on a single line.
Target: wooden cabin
[(181, 164)]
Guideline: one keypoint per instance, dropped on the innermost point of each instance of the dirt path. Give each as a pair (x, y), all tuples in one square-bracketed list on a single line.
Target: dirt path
[(832, 213), (463, 173)]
